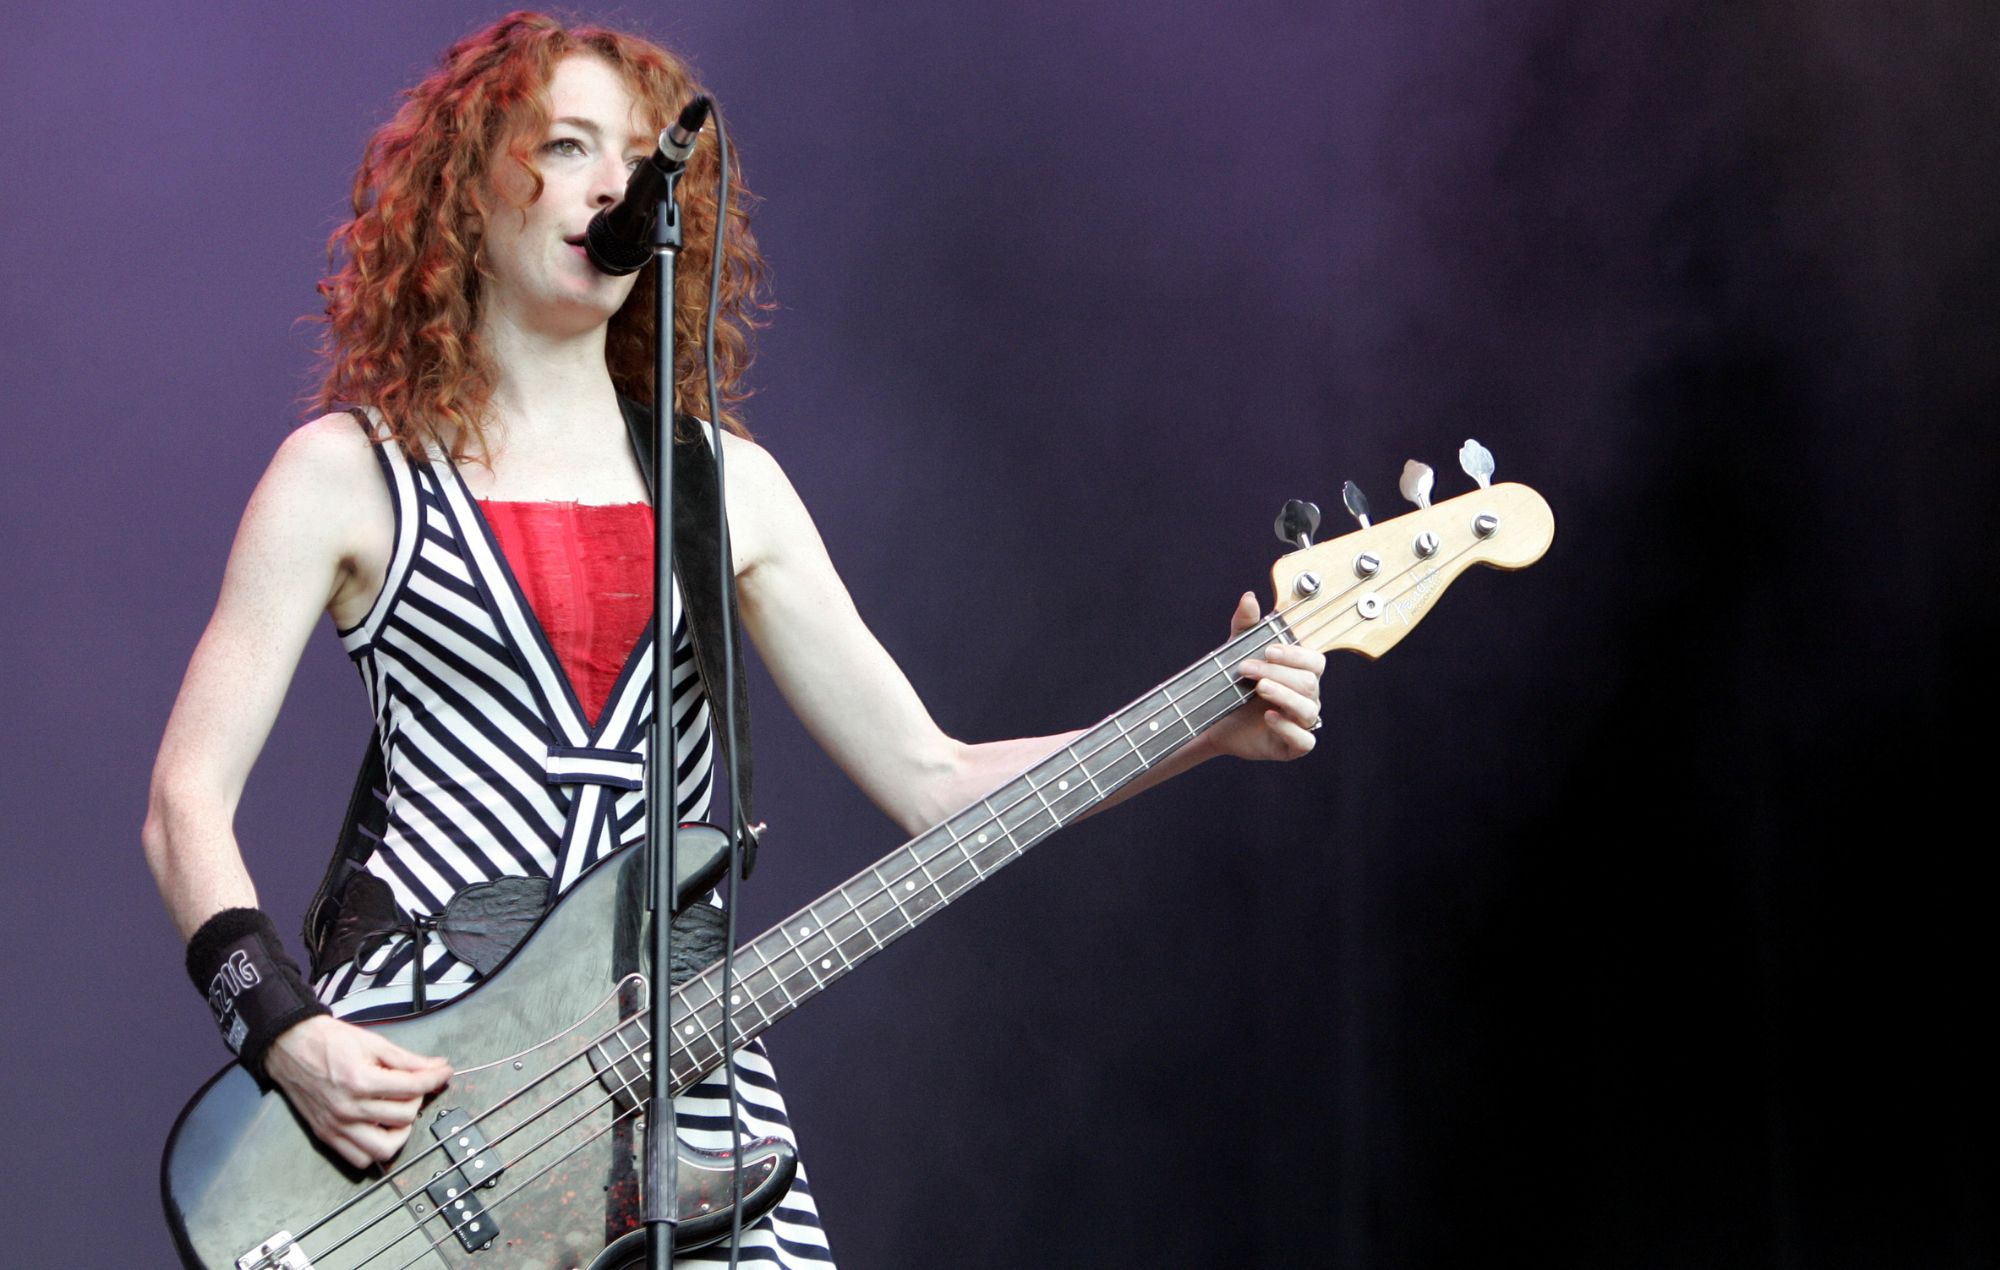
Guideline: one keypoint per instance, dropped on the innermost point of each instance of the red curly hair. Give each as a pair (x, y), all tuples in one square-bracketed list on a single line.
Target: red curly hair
[(402, 300)]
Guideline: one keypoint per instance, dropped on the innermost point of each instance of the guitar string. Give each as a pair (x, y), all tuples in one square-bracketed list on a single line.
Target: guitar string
[(1329, 608), (780, 978), (553, 1106), (1332, 608), (779, 987), (492, 1206), (1332, 605), (625, 1085), (885, 887), (375, 1187), (1235, 689), (921, 863), (451, 1232), (838, 943), (995, 817)]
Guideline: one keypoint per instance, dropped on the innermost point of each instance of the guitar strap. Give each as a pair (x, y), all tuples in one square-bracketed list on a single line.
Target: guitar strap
[(697, 562)]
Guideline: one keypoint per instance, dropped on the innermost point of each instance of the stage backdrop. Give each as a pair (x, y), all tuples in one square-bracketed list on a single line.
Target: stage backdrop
[(1619, 921)]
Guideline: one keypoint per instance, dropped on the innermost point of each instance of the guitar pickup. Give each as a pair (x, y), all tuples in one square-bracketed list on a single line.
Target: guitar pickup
[(454, 1192)]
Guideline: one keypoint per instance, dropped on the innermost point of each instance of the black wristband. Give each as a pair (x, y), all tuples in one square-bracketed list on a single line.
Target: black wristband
[(238, 962)]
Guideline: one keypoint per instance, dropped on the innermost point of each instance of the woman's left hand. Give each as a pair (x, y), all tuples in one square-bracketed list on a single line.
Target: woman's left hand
[(1287, 690)]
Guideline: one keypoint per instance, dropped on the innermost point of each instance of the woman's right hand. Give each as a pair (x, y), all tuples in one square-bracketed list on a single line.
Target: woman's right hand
[(358, 1091)]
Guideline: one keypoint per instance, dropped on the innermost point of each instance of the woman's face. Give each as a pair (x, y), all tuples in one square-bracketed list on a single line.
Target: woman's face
[(540, 279)]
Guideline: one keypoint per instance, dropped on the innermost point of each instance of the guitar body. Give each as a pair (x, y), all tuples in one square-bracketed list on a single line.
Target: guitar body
[(548, 1094)]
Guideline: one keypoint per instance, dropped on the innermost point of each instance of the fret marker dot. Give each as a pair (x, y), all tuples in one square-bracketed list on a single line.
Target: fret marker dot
[(909, 886), (805, 930), (982, 837), (736, 999), (1062, 784), (826, 963), (1154, 726), (688, 1030)]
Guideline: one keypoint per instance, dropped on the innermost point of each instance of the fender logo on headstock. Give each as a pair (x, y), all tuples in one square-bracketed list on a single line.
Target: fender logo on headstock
[(1407, 606)]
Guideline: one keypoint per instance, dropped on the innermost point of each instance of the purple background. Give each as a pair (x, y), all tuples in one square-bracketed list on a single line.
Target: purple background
[(1617, 922)]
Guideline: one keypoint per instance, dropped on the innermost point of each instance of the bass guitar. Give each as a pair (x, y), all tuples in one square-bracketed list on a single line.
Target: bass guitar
[(527, 1160)]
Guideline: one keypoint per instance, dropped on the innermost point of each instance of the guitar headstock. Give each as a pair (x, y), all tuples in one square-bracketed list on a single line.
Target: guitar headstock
[(1365, 590)]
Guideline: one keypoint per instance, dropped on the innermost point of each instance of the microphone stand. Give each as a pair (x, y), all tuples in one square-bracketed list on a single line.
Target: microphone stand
[(662, 1160)]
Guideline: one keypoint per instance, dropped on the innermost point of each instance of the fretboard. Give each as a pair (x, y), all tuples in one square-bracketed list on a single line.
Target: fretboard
[(809, 951)]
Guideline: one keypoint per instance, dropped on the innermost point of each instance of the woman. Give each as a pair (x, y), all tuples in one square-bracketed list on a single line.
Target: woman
[(489, 500)]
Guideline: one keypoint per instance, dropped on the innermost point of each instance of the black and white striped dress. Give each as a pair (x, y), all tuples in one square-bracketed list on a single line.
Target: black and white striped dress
[(494, 770)]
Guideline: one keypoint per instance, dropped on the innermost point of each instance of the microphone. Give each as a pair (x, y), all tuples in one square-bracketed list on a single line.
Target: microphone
[(620, 238)]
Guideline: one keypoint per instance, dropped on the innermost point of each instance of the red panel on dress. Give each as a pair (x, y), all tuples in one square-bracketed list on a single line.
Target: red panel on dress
[(587, 571)]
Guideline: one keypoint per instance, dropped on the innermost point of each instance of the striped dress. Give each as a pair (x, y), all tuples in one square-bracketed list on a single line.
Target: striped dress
[(494, 769)]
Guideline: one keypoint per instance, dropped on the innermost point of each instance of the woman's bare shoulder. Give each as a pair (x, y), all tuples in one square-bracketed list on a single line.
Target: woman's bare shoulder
[(333, 447), (764, 509), (323, 503), (743, 457), (327, 467)]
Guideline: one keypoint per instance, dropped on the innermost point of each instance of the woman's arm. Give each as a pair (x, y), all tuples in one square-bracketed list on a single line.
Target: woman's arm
[(315, 537), (858, 705), (295, 548)]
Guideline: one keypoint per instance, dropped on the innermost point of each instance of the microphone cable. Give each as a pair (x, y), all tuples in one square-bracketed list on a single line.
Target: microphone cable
[(717, 237)]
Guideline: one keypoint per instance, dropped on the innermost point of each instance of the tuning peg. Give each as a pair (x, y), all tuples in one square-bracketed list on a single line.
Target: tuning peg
[(1416, 483), (1297, 522), (1477, 461), (1355, 501)]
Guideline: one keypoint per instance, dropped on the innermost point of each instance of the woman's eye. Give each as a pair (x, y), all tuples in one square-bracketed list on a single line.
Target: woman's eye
[(567, 146)]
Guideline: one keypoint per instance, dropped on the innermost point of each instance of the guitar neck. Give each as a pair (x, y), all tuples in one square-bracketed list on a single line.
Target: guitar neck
[(809, 951)]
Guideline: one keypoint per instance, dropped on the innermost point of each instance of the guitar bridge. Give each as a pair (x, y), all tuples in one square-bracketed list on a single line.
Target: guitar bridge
[(454, 1192), (276, 1253)]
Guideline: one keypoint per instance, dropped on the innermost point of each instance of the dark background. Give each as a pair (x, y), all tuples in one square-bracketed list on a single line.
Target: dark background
[(1623, 917)]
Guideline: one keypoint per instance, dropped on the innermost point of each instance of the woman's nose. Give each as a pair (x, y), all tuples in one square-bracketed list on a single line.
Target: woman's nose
[(609, 185)]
